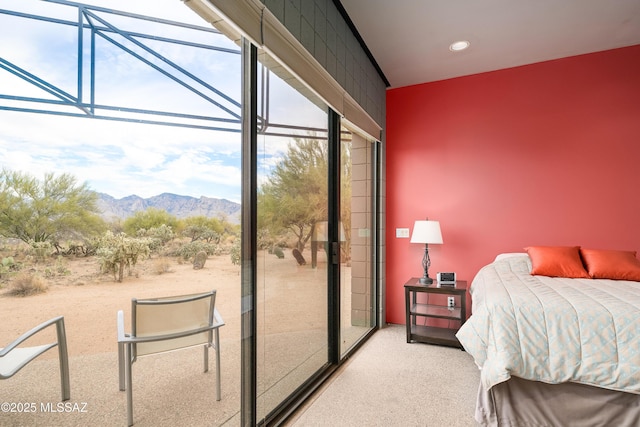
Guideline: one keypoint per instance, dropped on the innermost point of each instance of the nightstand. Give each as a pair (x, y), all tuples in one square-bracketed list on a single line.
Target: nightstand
[(418, 310)]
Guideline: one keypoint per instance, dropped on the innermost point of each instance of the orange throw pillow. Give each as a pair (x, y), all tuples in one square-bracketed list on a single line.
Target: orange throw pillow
[(607, 264), (557, 261)]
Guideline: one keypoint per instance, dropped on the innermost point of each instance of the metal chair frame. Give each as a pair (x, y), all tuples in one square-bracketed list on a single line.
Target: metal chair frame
[(128, 343), (13, 357)]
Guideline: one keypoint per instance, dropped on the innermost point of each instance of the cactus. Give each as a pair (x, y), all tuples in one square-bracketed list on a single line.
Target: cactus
[(7, 265), (278, 252), (199, 260)]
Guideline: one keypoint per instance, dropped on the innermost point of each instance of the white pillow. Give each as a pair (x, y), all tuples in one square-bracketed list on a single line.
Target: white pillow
[(511, 255)]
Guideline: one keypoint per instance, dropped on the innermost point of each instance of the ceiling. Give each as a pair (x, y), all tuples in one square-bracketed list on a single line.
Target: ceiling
[(409, 39)]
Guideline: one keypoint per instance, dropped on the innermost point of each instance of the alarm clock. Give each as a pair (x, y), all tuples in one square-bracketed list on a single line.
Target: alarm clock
[(446, 279)]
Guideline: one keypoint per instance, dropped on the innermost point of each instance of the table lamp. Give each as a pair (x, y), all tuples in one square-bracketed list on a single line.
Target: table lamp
[(426, 232)]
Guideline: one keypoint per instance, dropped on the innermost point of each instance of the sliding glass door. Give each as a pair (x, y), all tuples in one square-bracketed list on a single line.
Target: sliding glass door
[(147, 106), (357, 233), (292, 203)]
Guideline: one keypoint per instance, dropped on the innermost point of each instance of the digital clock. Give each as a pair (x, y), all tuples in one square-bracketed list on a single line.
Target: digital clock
[(447, 279)]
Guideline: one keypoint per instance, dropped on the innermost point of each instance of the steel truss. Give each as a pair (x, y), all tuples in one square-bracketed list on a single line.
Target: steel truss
[(93, 22), (96, 22)]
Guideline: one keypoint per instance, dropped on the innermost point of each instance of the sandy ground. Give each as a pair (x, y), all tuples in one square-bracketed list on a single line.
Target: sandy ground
[(169, 389), (89, 301)]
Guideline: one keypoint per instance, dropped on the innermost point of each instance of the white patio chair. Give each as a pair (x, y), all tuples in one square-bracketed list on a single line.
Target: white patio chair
[(14, 357), (165, 324)]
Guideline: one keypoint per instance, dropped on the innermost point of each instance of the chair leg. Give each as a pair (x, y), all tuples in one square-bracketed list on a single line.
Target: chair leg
[(206, 357), (129, 385), (121, 362), (63, 356), (218, 388)]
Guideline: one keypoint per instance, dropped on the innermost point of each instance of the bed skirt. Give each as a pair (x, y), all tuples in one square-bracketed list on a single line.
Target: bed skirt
[(520, 403)]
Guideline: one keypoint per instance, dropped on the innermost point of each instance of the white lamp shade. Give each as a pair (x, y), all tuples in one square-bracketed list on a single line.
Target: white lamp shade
[(426, 232)]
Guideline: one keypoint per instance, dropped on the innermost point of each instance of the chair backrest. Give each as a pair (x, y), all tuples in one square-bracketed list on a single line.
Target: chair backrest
[(180, 315)]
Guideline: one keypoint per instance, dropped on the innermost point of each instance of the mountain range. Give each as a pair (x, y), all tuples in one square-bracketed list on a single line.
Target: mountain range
[(176, 205)]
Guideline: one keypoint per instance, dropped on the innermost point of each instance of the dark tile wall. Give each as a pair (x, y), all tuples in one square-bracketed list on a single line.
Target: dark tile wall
[(318, 25)]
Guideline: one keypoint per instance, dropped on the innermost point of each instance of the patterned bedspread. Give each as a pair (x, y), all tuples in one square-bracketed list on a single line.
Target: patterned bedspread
[(553, 329)]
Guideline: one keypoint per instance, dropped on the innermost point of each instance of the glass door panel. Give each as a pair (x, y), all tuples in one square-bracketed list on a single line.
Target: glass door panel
[(292, 201), (138, 104), (357, 296)]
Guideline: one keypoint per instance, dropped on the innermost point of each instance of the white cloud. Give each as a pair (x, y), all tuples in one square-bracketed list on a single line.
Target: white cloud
[(114, 157), (124, 158), (121, 158)]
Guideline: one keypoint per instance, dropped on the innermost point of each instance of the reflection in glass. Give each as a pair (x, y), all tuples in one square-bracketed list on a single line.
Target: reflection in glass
[(292, 200), (357, 295)]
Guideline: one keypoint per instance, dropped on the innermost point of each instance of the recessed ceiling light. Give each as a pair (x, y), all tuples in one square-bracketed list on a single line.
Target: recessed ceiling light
[(459, 45)]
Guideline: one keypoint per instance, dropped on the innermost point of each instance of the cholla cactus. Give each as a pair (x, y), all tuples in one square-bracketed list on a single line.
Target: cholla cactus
[(40, 249), (117, 251), (235, 252), (7, 265), (159, 236)]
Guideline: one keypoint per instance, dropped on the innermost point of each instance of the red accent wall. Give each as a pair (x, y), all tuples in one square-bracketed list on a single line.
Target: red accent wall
[(543, 154)]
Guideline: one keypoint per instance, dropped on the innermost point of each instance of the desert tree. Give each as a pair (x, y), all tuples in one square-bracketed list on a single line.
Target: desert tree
[(346, 194), (148, 219), (47, 210), (294, 197), (203, 228)]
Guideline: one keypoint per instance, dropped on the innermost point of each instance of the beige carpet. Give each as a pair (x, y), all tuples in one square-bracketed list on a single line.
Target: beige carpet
[(391, 383)]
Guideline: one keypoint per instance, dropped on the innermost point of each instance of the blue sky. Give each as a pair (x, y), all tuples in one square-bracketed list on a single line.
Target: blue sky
[(114, 157), (121, 158)]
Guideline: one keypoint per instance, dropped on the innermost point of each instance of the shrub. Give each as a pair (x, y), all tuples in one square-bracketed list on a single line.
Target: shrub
[(61, 267), (161, 265), (40, 249), (278, 252), (26, 284), (8, 262), (7, 265), (190, 249)]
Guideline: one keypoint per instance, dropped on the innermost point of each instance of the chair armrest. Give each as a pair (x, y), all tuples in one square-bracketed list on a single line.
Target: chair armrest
[(126, 338), (153, 338), (217, 318), (122, 337), (30, 333)]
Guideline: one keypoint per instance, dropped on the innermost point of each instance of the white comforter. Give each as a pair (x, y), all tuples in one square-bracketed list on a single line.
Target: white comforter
[(553, 329)]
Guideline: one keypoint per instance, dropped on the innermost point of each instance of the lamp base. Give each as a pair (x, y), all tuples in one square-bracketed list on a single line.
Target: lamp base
[(426, 280)]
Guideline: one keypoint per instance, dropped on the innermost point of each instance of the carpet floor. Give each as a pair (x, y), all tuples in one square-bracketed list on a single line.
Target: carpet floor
[(391, 383), (387, 382)]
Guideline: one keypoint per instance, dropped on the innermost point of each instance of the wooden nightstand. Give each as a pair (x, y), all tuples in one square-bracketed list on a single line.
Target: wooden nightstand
[(424, 310)]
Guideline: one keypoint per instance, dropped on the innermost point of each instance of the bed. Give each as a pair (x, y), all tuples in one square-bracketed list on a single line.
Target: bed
[(555, 351)]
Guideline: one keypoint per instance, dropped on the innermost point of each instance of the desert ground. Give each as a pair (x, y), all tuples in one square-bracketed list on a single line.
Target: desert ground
[(89, 300), (169, 389)]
